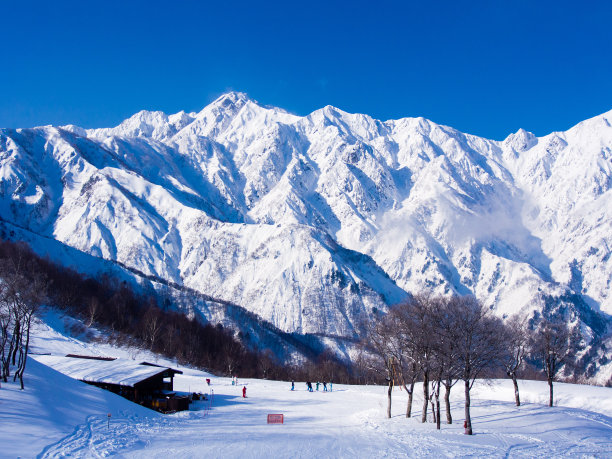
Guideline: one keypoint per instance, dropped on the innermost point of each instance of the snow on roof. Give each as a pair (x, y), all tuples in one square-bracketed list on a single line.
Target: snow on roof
[(121, 372)]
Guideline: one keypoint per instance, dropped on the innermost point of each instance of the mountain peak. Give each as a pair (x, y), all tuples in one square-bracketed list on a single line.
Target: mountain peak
[(233, 96), (521, 140), (228, 103)]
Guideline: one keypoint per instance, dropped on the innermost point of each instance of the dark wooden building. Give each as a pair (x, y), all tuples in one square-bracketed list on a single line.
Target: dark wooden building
[(145, 383)]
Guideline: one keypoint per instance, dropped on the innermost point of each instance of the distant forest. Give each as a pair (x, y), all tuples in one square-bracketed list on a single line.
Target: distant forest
[(135, 319)]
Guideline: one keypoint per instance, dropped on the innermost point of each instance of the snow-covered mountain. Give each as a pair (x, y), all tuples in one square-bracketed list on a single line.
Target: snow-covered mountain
[(315, 222)]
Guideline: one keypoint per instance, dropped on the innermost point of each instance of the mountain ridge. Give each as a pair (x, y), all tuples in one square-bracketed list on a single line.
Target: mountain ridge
[(243, 199)]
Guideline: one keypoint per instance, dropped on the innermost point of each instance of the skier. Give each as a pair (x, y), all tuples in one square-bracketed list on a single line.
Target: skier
[(292, 385), (243, 391), (309, 386), (330, 386), (324, 386), (317, 386)]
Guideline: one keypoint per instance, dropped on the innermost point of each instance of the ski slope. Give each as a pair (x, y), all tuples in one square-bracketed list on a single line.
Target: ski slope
[(59, 417)]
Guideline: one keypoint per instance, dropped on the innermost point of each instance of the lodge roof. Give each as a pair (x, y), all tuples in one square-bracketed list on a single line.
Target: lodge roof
[(118, 371)]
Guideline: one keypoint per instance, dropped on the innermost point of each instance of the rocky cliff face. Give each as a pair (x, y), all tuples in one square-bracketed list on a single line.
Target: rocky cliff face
[(312, 222)]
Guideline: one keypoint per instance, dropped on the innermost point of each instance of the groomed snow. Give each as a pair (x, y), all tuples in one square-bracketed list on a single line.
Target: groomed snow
[(59, 417)]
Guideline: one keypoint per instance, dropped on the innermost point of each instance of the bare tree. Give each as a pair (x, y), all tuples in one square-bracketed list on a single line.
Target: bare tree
[(480, 343), (517, 340), (434, 396), (93, 310), (152, 325), (266, 362), (417, 327), (168, 339), (447, 354), (232, 353), (378, 339), (405, 358), (24, 289), (409, 374), (552, 343), (6, 319)]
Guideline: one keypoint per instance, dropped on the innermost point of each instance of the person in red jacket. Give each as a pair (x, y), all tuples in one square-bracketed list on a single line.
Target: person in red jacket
[(243, 391)]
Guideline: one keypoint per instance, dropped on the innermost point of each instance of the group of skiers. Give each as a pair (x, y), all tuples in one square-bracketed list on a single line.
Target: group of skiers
[(309, 386)]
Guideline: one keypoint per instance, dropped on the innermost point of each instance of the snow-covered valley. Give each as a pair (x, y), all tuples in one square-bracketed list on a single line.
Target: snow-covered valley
[(56, 416), (314, 222)]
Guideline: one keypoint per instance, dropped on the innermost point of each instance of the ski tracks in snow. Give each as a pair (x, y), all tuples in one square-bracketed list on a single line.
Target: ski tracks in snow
[(78, 442), (414, 439), (95, 438), (533, 431)]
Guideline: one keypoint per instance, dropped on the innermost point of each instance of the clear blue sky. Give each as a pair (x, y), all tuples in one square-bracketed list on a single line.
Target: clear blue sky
[(484, 67)]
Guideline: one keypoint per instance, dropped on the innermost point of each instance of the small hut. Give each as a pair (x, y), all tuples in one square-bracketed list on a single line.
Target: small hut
[(144, 383)]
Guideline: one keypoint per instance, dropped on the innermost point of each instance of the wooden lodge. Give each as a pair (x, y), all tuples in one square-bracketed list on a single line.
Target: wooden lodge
[(145, 383)]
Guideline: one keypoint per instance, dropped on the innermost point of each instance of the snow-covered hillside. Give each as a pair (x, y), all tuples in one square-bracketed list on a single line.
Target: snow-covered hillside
[(313, 222), (56, 416)]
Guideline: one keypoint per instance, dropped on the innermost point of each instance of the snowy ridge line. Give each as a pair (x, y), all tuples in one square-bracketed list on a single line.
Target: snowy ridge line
[(255, 206), (347, 339), (125, 267)]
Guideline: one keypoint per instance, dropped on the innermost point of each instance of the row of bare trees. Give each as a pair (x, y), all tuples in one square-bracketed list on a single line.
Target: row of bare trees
[(441, 341), (22, 290), (129, 318), (28, 281)]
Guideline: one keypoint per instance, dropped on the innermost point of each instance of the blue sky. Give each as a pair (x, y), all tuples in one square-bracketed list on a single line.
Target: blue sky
[(487, 67)]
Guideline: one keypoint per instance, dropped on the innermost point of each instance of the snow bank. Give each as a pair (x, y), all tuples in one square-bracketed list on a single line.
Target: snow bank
[(51, 407)]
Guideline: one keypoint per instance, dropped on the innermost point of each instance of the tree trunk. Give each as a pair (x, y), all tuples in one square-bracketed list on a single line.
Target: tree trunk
[(409, 392), (449, 418), (389, 397), (27, 348), (18, 364), (550, 387), (425, 396), (14, 343), (438, 404), (5, 367), (433, 407), (21, 379), (468, 420), (516, 390)]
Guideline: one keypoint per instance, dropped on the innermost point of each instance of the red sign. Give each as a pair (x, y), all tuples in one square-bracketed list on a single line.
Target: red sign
[(275, 419)]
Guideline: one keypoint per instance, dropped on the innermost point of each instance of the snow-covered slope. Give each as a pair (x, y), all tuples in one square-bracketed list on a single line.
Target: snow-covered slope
[(312, 222), (54, 406), (56, 416)]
